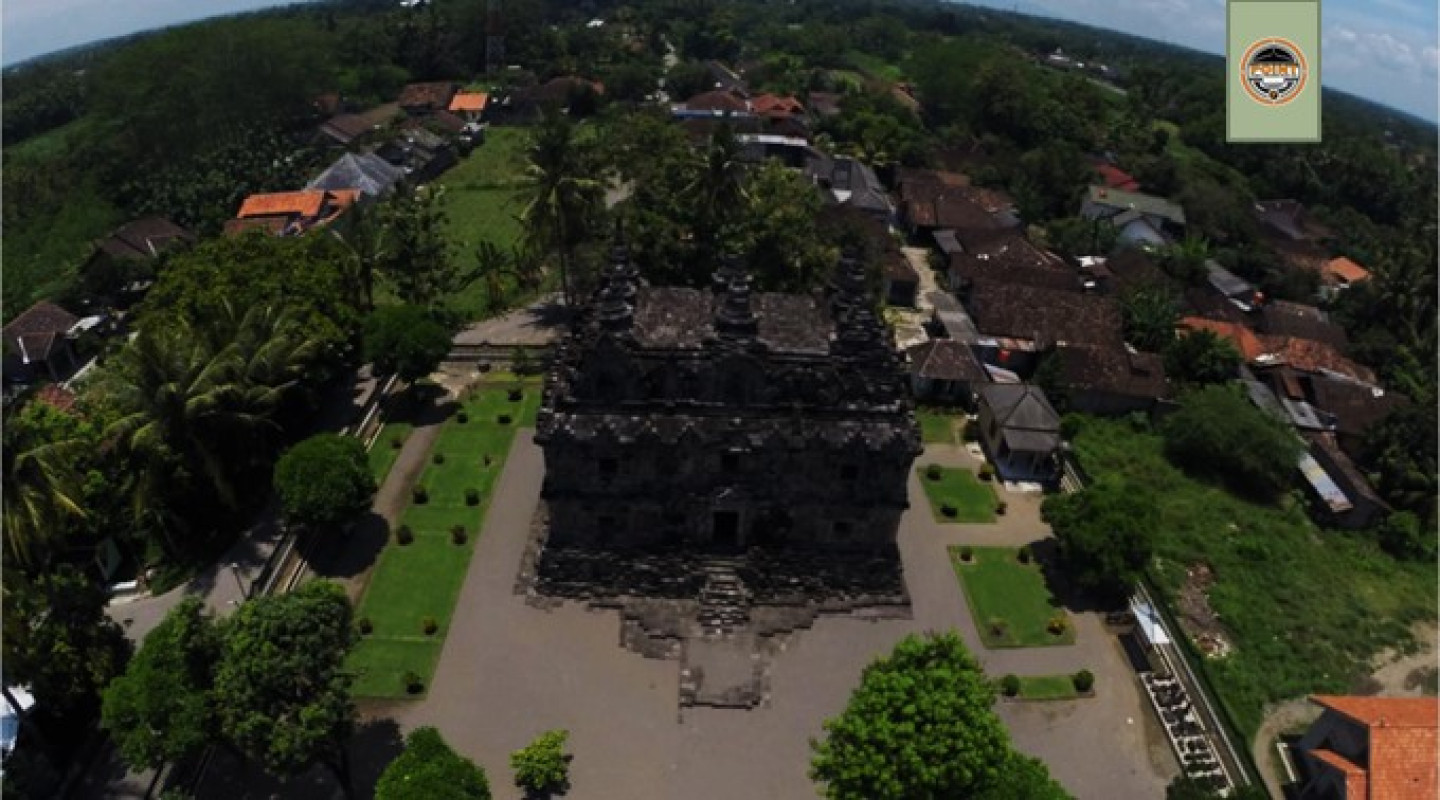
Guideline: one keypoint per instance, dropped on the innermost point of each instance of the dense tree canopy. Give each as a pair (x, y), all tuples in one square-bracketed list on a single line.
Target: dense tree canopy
[(405, 340), (1201, 357), (921, 725), (325, 480), (428, 769), (159, 711), (1104, 536), (1218, 432)]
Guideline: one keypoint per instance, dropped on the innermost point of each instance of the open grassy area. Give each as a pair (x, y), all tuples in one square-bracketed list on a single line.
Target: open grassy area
[(387, 448), (482, 203), (1009, 600), (423, 579), (1047, 687), (973, 500), (1305, 608), (936, 426)]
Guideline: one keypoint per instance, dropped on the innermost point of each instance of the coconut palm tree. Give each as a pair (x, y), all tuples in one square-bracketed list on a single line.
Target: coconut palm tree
[(42, 492), (719, 192), (562, 199)]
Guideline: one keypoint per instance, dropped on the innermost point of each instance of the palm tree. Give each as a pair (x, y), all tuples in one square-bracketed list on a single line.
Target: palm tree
[(562, 199), (369, 247), (41, 493), (719, 191)]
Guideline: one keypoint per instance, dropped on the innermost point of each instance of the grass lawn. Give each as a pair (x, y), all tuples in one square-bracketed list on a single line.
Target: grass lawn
[(481, 203), (1047, 687), (937, 427), (974, 501), (999, 588), (1305, 608), (384, 452), (423, 579)]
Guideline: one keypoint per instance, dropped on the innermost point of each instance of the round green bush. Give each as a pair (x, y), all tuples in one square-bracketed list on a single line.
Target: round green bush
[(429, 626), (1024, 554), (419, 495), (948, 510), (933, 472), (457, 534), (514, 395), (1010, 685), (461, 417), (438, 458), (403, 535), (365, 626), (412, 683), (967, 553), (503, 419), (396, 442), (472, 497), (1084, 680)]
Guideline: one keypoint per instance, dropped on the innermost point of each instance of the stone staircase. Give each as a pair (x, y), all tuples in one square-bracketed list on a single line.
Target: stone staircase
[(724, 601)]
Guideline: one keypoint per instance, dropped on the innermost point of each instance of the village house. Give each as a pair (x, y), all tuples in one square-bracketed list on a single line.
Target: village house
[(422, 154), (566, 93), (1109, 380), (1139, 219), (291, 213), (469, 106), (1115, 178), (932, 200), (1370, 748), (1287, 228), (945, 371), (38, 343), (351, 129), (845, 181), (121, 266), (1016, 323), (146, 239), (1007, 256), (366, 173), (1341, 273), (1357, 505), (1020, 432), (1241, 293), (420, 99), (1284, 318)]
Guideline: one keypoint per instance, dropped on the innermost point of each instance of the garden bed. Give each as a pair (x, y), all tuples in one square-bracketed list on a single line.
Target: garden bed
[(959, 490), (421, 580), (1009, 600)]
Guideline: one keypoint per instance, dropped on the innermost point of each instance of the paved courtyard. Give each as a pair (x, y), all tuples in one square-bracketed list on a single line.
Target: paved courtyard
[(510, 671)]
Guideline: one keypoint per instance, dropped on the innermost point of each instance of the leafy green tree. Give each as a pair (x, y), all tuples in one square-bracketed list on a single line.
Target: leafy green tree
[(58, 640), (416, 260), (1076, 236), (543, 765), (1149, 317), (1218, 432), (1186, 788), (325, 480), (1104, 536), (1185, 260), (428, 769), (563, 200), (159, 711), (921, 725), (687, 79), (779, 231), (1402, 449), (1201, 357), (406, 340), (281, 688), (42, 490)]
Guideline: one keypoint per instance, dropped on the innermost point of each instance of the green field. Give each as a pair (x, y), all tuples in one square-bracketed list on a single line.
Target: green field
[(385, 450), (1000, 589), (482, 203), (1305, 608), (423, 579), (1047, 687), (973, 500), (937, 427)]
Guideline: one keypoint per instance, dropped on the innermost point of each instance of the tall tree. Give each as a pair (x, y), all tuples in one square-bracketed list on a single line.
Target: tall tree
[(406, 340), (1104, 537), (325, 480), (1149, 316), (1201, 357), (428, 769), (921, 725), (416, 259), (281, 689), (563, 199), (42, 490), (1219, 433), (719, 194), (160, 711)]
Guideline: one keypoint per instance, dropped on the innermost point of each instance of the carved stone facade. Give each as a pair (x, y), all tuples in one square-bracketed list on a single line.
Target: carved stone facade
[(766, 435)]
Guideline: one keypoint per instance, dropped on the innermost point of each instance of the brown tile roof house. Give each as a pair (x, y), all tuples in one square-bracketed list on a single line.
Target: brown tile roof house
[(144, 238), (1284, 318), (39, 335), (1046, 317), (424, 98), (1371, 748), (945, 203), (1247, 344), (1011, 258), (1353, 407), (719, 101), (1110, 380), (776, 105), (291, 212), (1343, 272), (1131, 270), (1311, 356), (1287, 219)]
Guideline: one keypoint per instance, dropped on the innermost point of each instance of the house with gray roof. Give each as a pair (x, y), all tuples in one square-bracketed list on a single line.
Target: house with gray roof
[(1020, 432), (367, 173), (1139, 219)]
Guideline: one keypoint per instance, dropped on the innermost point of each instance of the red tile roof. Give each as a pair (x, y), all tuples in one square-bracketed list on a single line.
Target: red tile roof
[(769, 104), (1402, 747), (432, 96), (1242, 337), (1385, 712), (303, 203), (1311, 356), (1346, 269), (717, 100), (1117, 178), (469, 101)]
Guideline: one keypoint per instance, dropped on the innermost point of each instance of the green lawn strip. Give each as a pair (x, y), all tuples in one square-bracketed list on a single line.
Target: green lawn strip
[(380, 664), (482, 201), (424, 578), (1304, 608), (999, 588), (974, 501), (384, 452), (1047, 687), (936, 427)]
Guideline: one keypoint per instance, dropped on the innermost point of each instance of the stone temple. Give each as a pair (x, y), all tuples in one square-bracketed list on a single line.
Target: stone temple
[(743, 455)]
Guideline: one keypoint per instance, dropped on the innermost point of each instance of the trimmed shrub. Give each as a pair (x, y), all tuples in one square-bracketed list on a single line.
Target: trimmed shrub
[(438, 458), (503, 419), (403, 535), (998, 628), (396, 442), (461, 417), (987, 472), (515, 394), (365, 626), (1024, 554), (419, 495), (487, 460), (1057, 625), (412, 683), (933, 472), (948, 510), (429, 626), (970, 432), (1001, 507), (1010, 685), (967, 553), (457, 534), (472, 497), (1084, 680)]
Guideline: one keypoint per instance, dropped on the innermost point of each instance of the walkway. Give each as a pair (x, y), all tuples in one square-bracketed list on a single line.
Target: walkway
[(509, 671)]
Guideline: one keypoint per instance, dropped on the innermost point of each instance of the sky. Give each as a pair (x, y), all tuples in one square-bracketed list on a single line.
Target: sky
[(1385, 50)]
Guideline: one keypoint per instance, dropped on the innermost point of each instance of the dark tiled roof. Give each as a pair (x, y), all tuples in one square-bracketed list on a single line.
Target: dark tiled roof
[(1286, 219), (718, 100), (1209, 304), (1284, 318), (145, 238), (1132, 269), (434, 95), (684, 318), (945, 360), (1048, 316), (1307, 355), (1027, 420), (1354, 406), (37, 329), (1013, 259), (897, 268), (1114, 371), (346, 128)]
